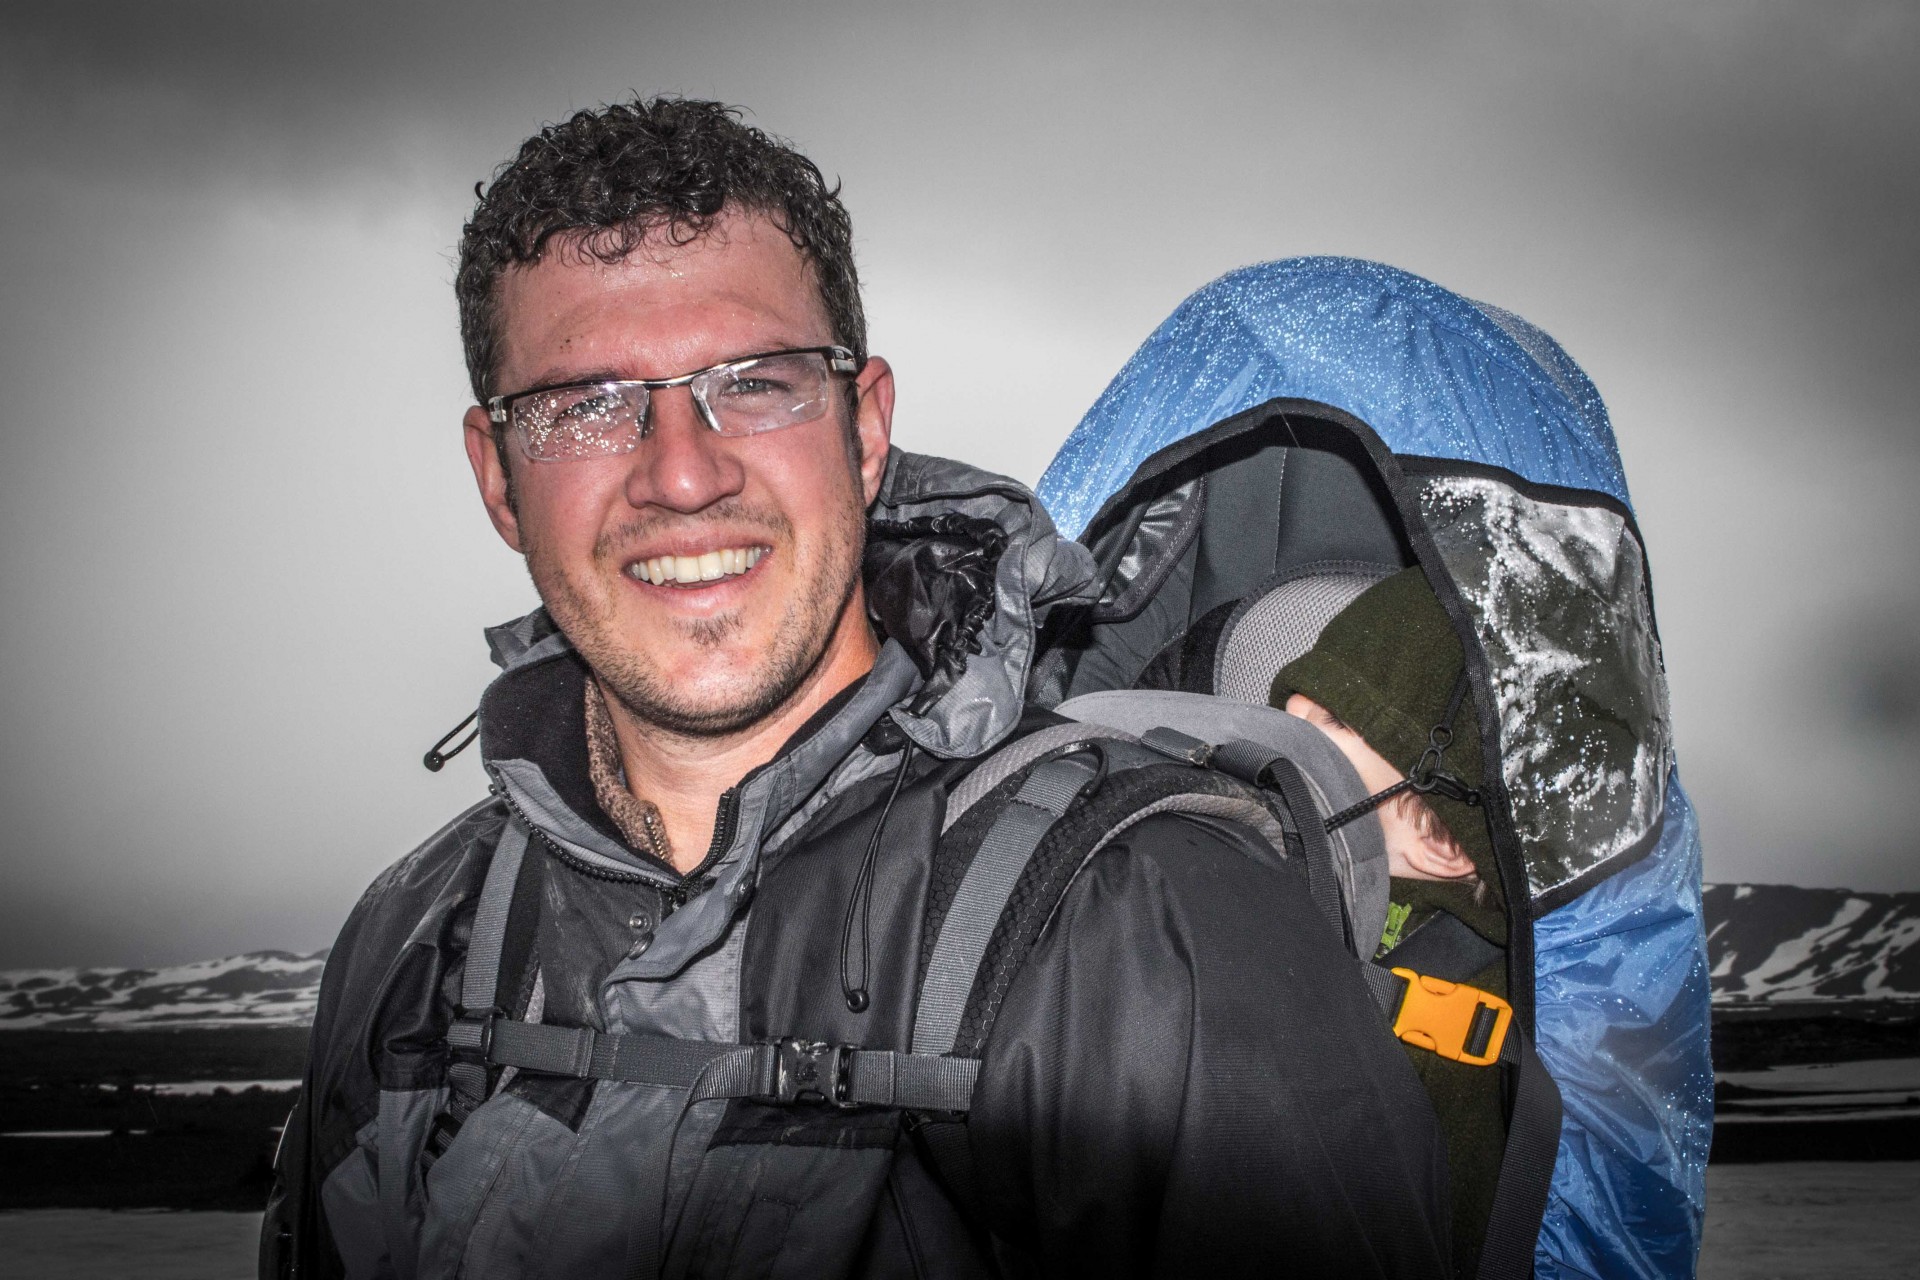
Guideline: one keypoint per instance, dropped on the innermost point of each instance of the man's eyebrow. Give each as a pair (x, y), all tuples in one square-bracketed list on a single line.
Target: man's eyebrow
[(550, 379), (553, 379)]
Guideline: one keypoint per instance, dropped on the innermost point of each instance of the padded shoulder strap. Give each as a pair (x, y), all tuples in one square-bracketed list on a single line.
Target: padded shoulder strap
[(1046, 794), (1015, 756), (1359, 849), (980, 904), (468, 1078)]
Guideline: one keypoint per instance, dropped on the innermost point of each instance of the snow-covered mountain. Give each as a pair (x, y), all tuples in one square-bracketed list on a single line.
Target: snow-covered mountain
[(1772, 943), (260, 989), (1767, 943)]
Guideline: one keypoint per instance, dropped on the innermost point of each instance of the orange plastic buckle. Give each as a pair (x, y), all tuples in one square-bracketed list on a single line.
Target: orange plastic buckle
[(1453, 1019)]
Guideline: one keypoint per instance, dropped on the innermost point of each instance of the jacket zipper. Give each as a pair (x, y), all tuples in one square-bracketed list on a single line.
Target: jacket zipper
[(678, 895), (674, 894)]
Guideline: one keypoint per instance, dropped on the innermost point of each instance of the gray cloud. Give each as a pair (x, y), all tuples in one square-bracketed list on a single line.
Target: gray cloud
[(244, 570)]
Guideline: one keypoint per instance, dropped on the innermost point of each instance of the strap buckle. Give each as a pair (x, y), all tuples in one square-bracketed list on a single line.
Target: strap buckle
[(440, 1136), (812, 1071), (1452, 1019), (470, 1035)]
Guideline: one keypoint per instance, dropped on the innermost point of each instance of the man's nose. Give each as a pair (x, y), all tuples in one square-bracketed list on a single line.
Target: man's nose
[(683, 464)]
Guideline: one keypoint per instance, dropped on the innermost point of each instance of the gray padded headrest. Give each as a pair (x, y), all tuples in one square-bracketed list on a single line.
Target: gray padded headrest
[(1359, 848), (1281, 618)]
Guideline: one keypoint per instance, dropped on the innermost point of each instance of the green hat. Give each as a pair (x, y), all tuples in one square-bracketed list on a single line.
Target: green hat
[(1387, 666)]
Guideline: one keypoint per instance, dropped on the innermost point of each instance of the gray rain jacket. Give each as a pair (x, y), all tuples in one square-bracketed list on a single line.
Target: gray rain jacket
[(1187, 1076)]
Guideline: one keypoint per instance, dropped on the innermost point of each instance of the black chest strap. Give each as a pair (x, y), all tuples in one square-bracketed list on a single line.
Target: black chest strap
[(779, 1071)]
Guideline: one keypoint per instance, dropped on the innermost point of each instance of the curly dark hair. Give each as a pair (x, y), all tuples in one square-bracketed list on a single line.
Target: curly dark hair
[(627, 170)]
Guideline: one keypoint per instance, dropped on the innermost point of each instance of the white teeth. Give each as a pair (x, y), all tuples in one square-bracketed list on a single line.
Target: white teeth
[(708, 566)]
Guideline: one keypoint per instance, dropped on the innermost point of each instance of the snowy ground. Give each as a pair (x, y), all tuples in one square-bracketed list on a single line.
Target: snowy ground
[(99, 1244), (1872, 1089), (1764, 1221), (1856, 1220)]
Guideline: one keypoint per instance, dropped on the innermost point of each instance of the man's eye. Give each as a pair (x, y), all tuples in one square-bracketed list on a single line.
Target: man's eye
[(586, 408), (755, 385), (577, 412)]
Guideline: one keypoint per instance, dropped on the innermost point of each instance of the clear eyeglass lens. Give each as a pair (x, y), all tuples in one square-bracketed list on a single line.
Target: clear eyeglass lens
[(765, 395), (608, 418), (580, 422)]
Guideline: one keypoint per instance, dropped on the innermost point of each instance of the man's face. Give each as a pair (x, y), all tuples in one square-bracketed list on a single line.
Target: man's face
[(702, 657)]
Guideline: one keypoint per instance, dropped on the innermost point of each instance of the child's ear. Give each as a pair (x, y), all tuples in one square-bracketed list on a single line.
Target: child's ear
[(1439, 858), (1305, 708)]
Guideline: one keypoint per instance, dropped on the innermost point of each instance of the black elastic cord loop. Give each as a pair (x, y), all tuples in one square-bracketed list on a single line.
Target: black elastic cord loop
[(1099, 779), (861, 900), (1426, 776), (437, 758)]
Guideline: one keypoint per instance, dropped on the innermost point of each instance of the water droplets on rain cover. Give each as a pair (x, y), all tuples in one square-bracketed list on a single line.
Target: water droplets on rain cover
[(1558, 596)]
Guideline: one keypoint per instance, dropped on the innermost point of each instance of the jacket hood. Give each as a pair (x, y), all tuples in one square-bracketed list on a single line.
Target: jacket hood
[(935, 525)]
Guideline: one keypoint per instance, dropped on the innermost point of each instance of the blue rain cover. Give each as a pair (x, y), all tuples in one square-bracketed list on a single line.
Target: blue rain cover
[(1621, 970)]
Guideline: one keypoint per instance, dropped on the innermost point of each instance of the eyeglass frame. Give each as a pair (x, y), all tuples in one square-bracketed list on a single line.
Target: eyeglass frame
[(840, 361)]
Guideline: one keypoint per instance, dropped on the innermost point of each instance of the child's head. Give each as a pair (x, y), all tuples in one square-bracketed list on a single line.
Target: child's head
[(1377, 682)]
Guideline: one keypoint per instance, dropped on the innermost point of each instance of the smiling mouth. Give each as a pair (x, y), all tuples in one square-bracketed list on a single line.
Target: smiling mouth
[(689, 571)]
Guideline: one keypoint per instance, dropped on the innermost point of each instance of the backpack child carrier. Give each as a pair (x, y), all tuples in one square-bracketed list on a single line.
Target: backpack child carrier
[(1299, 429)]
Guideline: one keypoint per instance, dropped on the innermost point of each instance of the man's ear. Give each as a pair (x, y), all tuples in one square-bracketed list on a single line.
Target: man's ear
[(490, 473), (873, 422)]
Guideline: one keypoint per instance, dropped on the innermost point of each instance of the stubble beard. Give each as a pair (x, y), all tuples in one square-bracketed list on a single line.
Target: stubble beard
[(814, 610)]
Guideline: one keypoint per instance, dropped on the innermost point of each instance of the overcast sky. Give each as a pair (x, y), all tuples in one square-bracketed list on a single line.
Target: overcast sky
[(244, 572)]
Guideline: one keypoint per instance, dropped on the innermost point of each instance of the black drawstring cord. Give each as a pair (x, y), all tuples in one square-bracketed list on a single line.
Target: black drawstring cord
[(1368, 805), (436, 759), (862, 898), (1425, 776)]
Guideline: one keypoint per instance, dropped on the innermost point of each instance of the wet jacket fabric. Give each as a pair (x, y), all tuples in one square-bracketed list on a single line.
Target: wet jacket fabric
[(1187, 1075), (1618, 972)]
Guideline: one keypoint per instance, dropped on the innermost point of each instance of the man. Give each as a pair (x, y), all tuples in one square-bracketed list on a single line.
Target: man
[(770, 650)]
